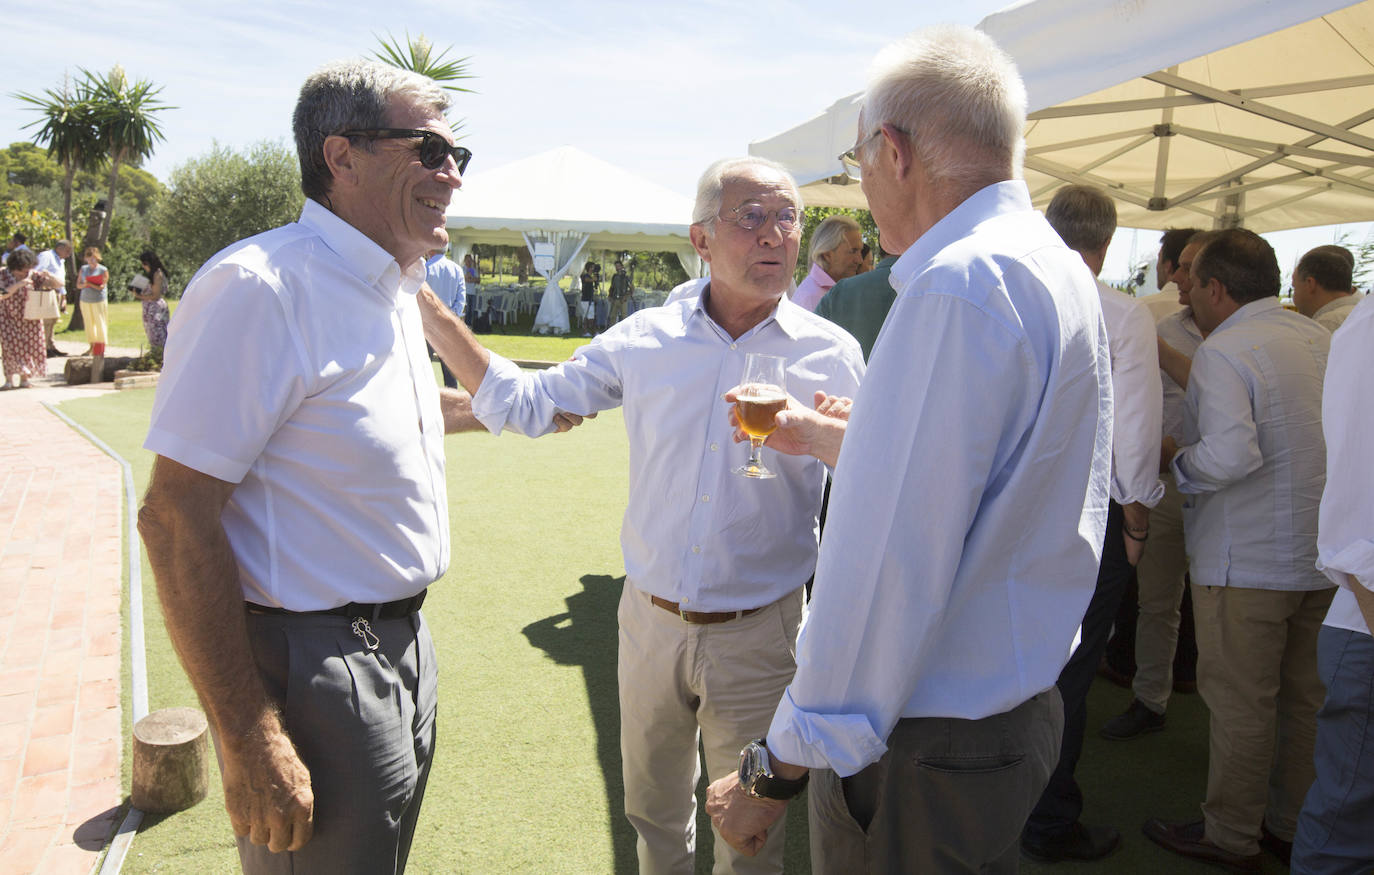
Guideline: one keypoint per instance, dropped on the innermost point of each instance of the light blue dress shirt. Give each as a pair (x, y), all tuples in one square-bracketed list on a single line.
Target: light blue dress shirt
[(1255, 462), (694, 532), (970, 497), (445, 277), (1345, 535)]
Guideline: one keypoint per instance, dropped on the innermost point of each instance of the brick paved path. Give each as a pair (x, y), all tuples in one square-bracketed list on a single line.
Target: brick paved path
[(61, 518)]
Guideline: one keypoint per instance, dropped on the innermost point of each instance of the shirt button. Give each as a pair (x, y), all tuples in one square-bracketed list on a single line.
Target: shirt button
[(706, 498), (732, 346), (696, 548), (714, 446), (685, 600)]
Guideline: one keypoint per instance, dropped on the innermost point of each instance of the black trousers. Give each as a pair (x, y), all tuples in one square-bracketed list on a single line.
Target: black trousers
[(1062, 802)]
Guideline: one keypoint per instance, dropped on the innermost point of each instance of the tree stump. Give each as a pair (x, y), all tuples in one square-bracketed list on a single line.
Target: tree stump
[(169, 760), (77, 370)]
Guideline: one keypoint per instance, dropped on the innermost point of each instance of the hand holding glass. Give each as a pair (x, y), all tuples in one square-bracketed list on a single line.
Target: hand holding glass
[(762, 394)]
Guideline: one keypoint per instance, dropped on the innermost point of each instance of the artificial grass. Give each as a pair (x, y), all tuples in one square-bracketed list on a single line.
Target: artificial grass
[(526, 775)]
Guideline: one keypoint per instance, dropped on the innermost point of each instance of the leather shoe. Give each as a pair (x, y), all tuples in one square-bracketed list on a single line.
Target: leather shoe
[(1190, 840), (1079, 842), (1120, 678), (1135, 721), (1275, 845)]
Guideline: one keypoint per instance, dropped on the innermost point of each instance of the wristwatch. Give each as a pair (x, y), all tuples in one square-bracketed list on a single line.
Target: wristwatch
[(757, 778)]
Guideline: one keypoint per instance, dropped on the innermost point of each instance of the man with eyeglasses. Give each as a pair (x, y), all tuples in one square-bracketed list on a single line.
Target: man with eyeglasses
[(969, 505), (297, 509), (715, 563)]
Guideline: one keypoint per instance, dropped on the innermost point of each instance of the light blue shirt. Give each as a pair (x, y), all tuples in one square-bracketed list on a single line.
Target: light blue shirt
[(970, 497), (1254, 462), (1345, 536), (694, 532), (446, 279)]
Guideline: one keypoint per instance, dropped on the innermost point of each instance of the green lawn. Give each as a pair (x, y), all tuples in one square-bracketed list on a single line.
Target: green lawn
[(125, 328), (526, 776)]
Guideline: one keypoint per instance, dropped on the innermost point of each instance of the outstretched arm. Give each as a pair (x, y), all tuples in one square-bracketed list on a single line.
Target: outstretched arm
[(267, 788)]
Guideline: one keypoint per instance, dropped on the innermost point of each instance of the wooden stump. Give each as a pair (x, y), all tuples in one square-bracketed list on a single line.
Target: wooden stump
[(77, 370), (169, 760)]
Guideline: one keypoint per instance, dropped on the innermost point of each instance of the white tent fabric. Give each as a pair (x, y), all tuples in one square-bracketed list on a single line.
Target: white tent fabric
[(565, 246), (568, 191), (1253, 112)]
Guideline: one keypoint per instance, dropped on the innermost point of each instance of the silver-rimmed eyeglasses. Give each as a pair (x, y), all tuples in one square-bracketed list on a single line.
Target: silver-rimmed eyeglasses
[(752, 216)]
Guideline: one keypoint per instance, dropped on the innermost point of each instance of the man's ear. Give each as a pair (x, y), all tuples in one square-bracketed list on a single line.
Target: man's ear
[(701, 242), (898, 147), (341, 160)]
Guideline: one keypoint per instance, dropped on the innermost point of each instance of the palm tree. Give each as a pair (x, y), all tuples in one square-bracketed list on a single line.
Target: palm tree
[(69, 132), (124, 117), (417, 55)]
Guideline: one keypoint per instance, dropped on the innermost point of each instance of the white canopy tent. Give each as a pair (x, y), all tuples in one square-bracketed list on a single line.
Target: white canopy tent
[(1231, 112), (561, 203)]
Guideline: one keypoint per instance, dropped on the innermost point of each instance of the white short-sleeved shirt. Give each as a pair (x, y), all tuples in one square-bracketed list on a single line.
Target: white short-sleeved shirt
[(297, 368)]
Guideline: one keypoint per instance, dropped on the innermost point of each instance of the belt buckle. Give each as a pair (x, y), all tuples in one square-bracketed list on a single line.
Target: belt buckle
[(682, 613)]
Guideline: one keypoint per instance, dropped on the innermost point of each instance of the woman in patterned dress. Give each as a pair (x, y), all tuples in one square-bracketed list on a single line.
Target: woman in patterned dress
[(21, 340), (155, 312)]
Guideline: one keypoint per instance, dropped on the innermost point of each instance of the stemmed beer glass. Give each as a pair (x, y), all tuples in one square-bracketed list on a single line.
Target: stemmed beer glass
[(762, 394)]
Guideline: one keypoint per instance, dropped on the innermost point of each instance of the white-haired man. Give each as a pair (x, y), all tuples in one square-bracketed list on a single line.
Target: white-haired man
[(836, 253), (714, 563), (297, 510), (969, 504)]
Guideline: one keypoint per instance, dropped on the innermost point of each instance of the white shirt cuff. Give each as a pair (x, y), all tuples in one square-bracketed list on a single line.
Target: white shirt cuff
[(845, 743)]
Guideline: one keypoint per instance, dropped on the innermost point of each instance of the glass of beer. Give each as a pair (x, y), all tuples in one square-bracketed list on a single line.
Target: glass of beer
[(762, 394)]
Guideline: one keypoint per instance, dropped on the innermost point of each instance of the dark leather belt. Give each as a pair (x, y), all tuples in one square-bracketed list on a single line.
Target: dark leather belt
[(385, 611), (700, 617)]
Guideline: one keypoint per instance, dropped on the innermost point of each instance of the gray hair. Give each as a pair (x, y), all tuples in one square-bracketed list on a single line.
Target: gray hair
[(959, 99), (711, 186), (351, 95), (1084, 216), (829, 235)]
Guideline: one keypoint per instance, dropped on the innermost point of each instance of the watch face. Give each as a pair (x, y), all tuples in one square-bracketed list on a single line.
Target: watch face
[(753, 764)]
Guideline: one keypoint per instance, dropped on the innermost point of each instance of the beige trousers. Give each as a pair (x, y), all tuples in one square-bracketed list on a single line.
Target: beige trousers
[(1160, 574), (1257, 672), (682, 686)]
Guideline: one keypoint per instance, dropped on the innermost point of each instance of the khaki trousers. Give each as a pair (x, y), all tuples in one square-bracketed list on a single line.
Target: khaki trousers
[(1160, 575), (1257, 672), (682, 686)]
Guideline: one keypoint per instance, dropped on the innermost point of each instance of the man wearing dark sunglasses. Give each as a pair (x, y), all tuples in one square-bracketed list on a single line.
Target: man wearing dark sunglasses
[(297, 510)]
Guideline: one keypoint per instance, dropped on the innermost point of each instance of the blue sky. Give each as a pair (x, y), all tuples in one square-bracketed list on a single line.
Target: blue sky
[(660, 89)]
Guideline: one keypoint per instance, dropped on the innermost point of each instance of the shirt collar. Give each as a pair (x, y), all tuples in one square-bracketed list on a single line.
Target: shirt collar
[(360, 255), (1250, 311), (1335, 304), (786, 314), (1008, 196), (818, 276)]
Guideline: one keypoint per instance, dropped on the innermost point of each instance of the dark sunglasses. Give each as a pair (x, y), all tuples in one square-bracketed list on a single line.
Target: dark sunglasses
[(433, 147)]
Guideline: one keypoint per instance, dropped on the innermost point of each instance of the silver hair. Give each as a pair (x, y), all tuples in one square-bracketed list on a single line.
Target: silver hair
[(1084, 216), (959, 99), (349, 95), (711, 186), (829, 235)]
